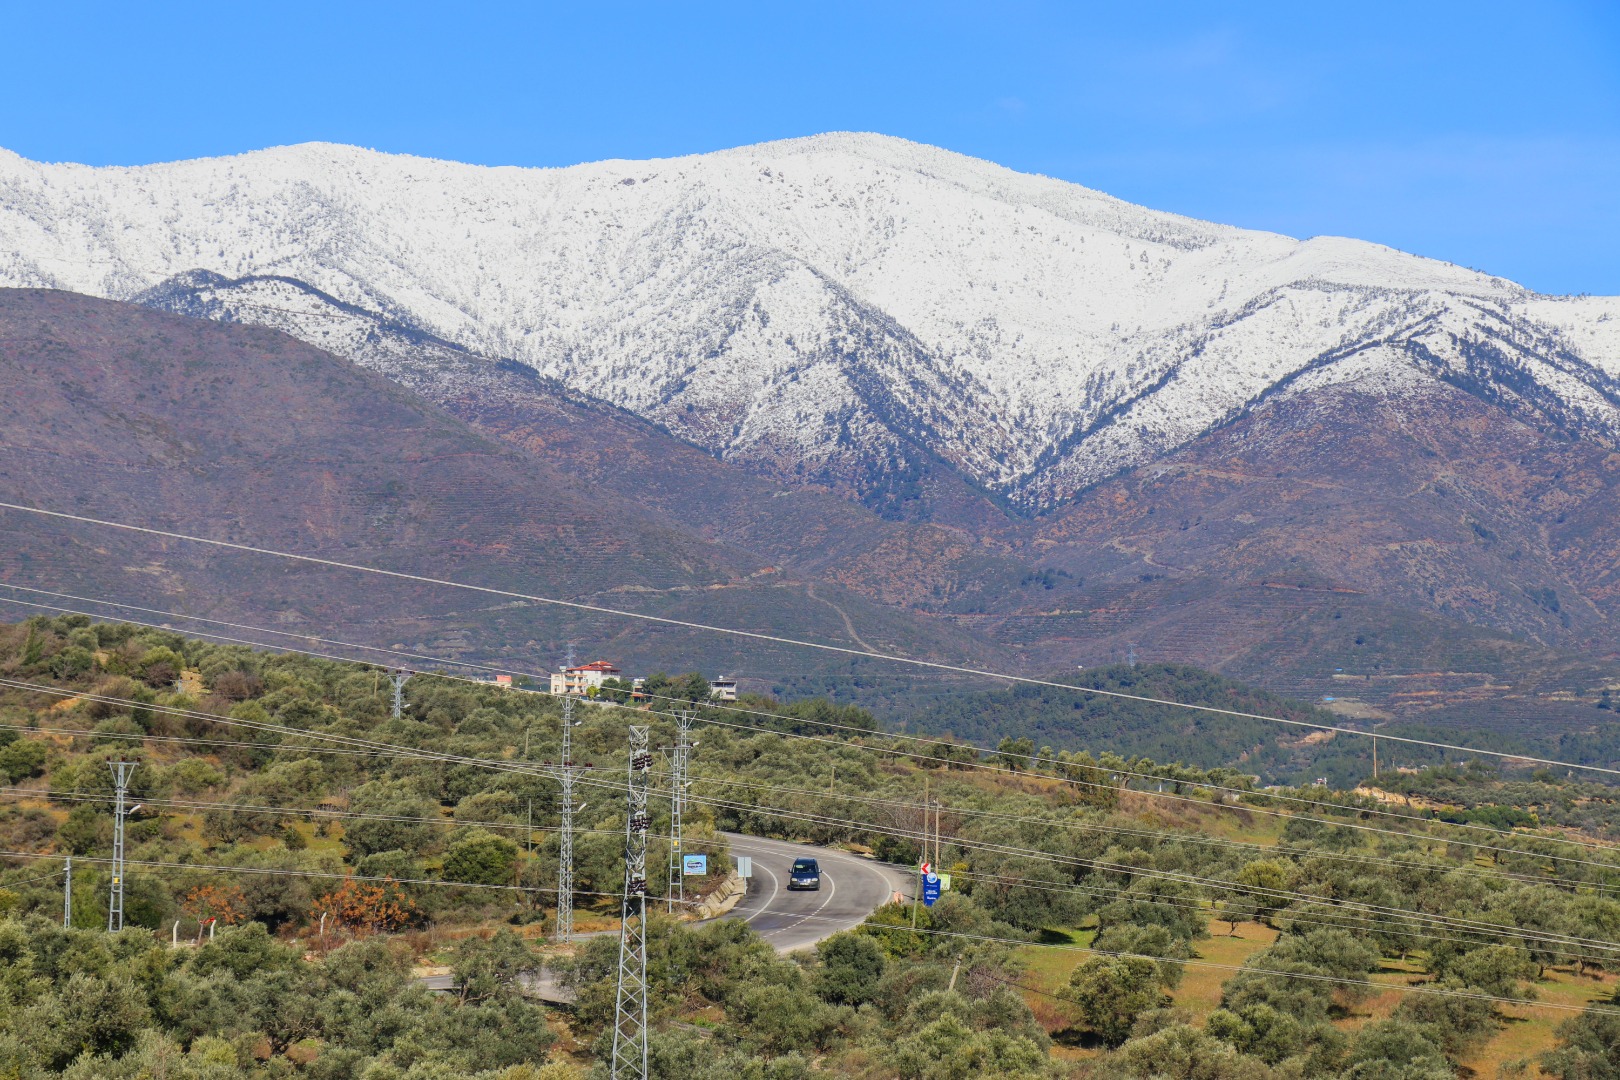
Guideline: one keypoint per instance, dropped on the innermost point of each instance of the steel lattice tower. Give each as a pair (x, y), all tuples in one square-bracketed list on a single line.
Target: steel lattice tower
[(630, 1012), (677, 806), (399, 677), (67, 894), (121, 771), (566, 772)]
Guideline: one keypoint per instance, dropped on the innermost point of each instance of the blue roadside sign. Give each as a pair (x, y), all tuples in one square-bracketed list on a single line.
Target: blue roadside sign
[(930, 889), (694, 865)]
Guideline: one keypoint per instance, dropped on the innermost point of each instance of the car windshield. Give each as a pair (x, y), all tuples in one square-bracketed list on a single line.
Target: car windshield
[(805, 866)]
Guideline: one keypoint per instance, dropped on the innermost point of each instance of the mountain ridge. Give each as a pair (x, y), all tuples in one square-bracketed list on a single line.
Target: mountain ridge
[(848, 309)]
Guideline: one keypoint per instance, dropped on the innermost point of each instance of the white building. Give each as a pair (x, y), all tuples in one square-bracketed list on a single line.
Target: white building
[(580, 681), (723, 689)]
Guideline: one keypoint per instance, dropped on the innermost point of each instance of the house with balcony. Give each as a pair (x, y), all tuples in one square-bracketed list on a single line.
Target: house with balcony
[(580, 681)]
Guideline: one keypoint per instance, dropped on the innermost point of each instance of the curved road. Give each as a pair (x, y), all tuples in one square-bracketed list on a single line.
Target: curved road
[(851, 889)]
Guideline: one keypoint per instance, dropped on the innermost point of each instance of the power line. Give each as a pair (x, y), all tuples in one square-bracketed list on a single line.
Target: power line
[(375, 746), (1005, 879), (869, 927), (256, 629), (974, 764), (1131, 870), (1118, 771), (1437, 991), (297, 811), (1402, 914), (1157, 834), (1346, 921), (1451, 922), (506, 766), (754, 808), (392, 748), (28, 881), (290, 872), (450, 822), (1200, 803), (863, 825), (272, 748), (983, 766), (776, 639), (883, 928)]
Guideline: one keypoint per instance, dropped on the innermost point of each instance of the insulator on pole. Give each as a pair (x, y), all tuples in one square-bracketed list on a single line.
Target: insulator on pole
[(121, 771)]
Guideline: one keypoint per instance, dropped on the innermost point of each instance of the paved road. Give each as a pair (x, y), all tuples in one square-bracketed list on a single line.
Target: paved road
[(543, 985), (851, 889)]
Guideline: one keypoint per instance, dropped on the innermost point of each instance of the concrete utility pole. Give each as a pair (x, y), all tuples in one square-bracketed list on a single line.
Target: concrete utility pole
[(677, 806), (630, 1011), (399, 677), (937, 807), (121, 771), (67, 894), (922, 860)]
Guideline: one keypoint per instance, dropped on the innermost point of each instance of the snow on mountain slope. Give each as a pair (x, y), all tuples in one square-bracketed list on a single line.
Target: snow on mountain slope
[(841, 309)]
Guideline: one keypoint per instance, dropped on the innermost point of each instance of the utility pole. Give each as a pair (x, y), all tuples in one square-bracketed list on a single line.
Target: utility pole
[(121, 771), (67, 894), (677, 805), (399, 677), (922, 860), (936, 861), (1375, 755), (630, 1012)]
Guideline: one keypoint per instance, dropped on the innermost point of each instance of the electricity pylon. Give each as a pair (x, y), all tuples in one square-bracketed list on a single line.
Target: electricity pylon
[(67, 894), (566, 771), (677, 806), (399, 677), (630, 1010), (121, 771)]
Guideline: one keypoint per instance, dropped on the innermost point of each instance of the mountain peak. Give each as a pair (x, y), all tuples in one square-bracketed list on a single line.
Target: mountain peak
[(848, 308)]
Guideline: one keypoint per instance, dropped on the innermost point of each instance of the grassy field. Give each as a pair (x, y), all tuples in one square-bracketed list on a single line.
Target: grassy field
[(1526, 1031), (1530, 1029), (1200, 989)]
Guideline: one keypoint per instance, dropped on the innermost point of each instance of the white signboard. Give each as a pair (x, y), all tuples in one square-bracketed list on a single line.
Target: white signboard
[(745, 866)]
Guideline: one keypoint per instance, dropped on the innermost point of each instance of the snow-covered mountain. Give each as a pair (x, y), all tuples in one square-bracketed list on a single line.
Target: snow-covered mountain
[(844, 308)]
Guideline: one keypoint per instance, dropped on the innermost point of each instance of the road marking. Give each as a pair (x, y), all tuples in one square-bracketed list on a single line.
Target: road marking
[(801, 918), (766, 906), (766, 849), (830, 891)]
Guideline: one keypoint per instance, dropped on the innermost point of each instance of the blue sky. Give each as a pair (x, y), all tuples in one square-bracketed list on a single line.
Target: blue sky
[(1485, 133)]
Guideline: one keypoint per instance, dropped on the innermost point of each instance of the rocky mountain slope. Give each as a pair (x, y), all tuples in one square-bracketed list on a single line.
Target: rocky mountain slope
[(242, 433), (865, 391), (882, 318)]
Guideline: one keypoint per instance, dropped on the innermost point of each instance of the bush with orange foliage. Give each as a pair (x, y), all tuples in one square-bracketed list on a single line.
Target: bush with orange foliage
[(224, 903), (367, 906)]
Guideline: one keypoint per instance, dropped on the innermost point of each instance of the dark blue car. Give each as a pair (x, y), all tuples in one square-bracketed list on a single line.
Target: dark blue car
[(805, 875)]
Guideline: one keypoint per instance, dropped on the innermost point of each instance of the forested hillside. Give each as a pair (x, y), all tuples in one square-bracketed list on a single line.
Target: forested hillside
[(1051, 716), (1108, 917)]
